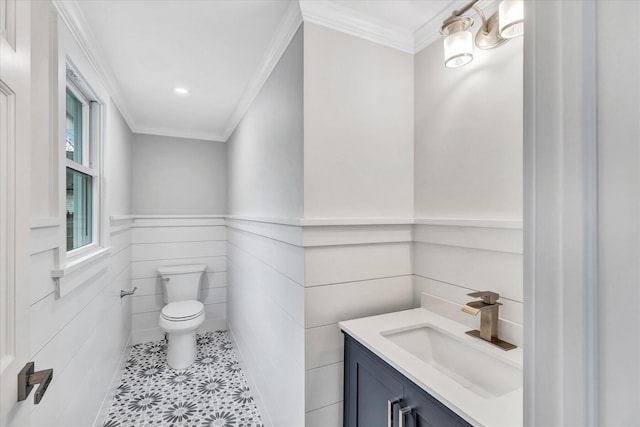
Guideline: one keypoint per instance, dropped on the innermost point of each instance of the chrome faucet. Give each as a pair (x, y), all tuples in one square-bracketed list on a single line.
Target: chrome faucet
[(487, 306)]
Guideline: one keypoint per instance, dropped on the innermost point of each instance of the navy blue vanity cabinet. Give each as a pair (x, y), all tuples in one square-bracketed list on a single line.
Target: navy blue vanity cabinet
[(371, 386)]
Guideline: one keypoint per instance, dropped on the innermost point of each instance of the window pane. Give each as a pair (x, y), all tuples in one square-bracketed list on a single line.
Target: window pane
[(74, 128), (79, 209)]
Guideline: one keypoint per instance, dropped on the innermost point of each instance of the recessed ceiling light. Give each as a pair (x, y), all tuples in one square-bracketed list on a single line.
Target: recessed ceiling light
[(180, 91)]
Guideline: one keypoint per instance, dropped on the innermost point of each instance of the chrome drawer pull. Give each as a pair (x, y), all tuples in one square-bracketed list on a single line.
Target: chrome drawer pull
[(401, 414), (390, 404)]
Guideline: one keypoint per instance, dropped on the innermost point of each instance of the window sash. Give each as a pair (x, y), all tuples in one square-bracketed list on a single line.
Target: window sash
[(81, 205), (80, 168), (86, 153), (90, 138)]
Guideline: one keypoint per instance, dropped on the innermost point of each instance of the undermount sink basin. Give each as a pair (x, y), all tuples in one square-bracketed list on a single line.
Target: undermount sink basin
[(480, 371)]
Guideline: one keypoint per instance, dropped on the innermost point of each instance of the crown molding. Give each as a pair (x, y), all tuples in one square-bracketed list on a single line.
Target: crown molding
[(430, 31), (326, 13), (72, 16), (180, 133), (339, 18), (287, 28)]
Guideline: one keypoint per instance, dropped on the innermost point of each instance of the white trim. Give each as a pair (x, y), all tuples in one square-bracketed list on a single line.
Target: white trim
[(429, 33), (314, 222), (489, 238), (180, 133), (81, 168), (79, 271), (287, 28), (328, 14), (463, 222), (103, 412), (334, 233), (72, 16), (318, 222), (9, 257), (45, 223), (79, 262), (205, 216), (340, 18), (114, 218), (560, 214), (281, 221)]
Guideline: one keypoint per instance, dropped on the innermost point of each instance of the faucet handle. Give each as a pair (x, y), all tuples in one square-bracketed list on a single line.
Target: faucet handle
[(487, 296)]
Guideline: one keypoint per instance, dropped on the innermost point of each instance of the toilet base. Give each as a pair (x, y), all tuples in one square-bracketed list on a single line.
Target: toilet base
[(181, 350)]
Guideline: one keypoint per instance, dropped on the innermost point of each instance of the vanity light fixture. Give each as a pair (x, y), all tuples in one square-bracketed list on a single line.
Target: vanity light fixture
[(511, 18), (503, 25), (181, 91), (458, 41)]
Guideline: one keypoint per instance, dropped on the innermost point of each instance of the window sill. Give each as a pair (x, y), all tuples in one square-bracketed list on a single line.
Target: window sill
[(80, 269)]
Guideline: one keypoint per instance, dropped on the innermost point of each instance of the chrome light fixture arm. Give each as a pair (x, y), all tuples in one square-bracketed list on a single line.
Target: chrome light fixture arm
[(458, 47)]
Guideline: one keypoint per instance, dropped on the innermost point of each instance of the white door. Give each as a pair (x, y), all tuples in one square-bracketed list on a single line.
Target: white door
[(15, 75)]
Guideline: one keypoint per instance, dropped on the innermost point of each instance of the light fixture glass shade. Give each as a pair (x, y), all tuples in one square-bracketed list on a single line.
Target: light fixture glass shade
[(511, 18), (458, 49)]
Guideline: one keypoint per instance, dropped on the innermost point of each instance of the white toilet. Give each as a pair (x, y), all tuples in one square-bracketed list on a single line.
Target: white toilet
[(183, 313)]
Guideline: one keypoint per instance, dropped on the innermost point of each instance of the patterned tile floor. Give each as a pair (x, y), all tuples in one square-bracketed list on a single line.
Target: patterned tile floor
[(212, 392)]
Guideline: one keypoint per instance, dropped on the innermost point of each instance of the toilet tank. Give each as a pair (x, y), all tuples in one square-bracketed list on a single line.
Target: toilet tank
[(181, 282)]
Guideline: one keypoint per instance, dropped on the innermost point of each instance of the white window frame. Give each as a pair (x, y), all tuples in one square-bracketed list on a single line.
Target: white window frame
[(87, 167), (93, 116), (72, 268)]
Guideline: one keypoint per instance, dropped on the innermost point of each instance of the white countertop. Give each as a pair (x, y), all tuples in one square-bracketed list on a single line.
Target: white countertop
[(504, 410)]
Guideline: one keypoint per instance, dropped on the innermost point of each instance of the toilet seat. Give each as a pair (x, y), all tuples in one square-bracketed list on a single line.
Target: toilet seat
[(181, 311)]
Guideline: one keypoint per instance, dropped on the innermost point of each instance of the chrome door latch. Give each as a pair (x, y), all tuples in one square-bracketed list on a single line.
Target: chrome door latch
[(27, 379)]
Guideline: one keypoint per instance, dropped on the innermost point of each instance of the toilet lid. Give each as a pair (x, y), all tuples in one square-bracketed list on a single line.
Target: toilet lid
[(182, 310)]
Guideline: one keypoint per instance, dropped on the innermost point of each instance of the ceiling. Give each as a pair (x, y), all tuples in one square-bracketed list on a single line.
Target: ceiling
[(406, 14), (221, 51)]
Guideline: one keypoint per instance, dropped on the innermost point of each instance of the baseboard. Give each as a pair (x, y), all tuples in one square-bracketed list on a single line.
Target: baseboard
[(266, 420), (103, 412)]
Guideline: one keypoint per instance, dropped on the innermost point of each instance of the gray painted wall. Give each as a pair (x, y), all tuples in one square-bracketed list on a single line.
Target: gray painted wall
[(266, 278), (358, 127), (468, 134), (118, 151), (264, 153), (178, 176)]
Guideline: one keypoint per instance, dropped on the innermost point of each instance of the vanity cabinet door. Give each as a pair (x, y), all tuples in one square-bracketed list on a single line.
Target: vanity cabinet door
[(370, 382), (368, 386), (427, 411)]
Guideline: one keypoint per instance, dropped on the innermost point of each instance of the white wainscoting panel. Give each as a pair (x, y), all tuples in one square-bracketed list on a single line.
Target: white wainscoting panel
[(328, 416), (347, 263), (175, 251), (149, 269), (41, 283), (452, 260), (286, 258), (356, 234), (174, 240), (471, 268), (266, 315), (324, 345), (83, 336), (351, 271), (202, 233), (324, 386), (329, 304)]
